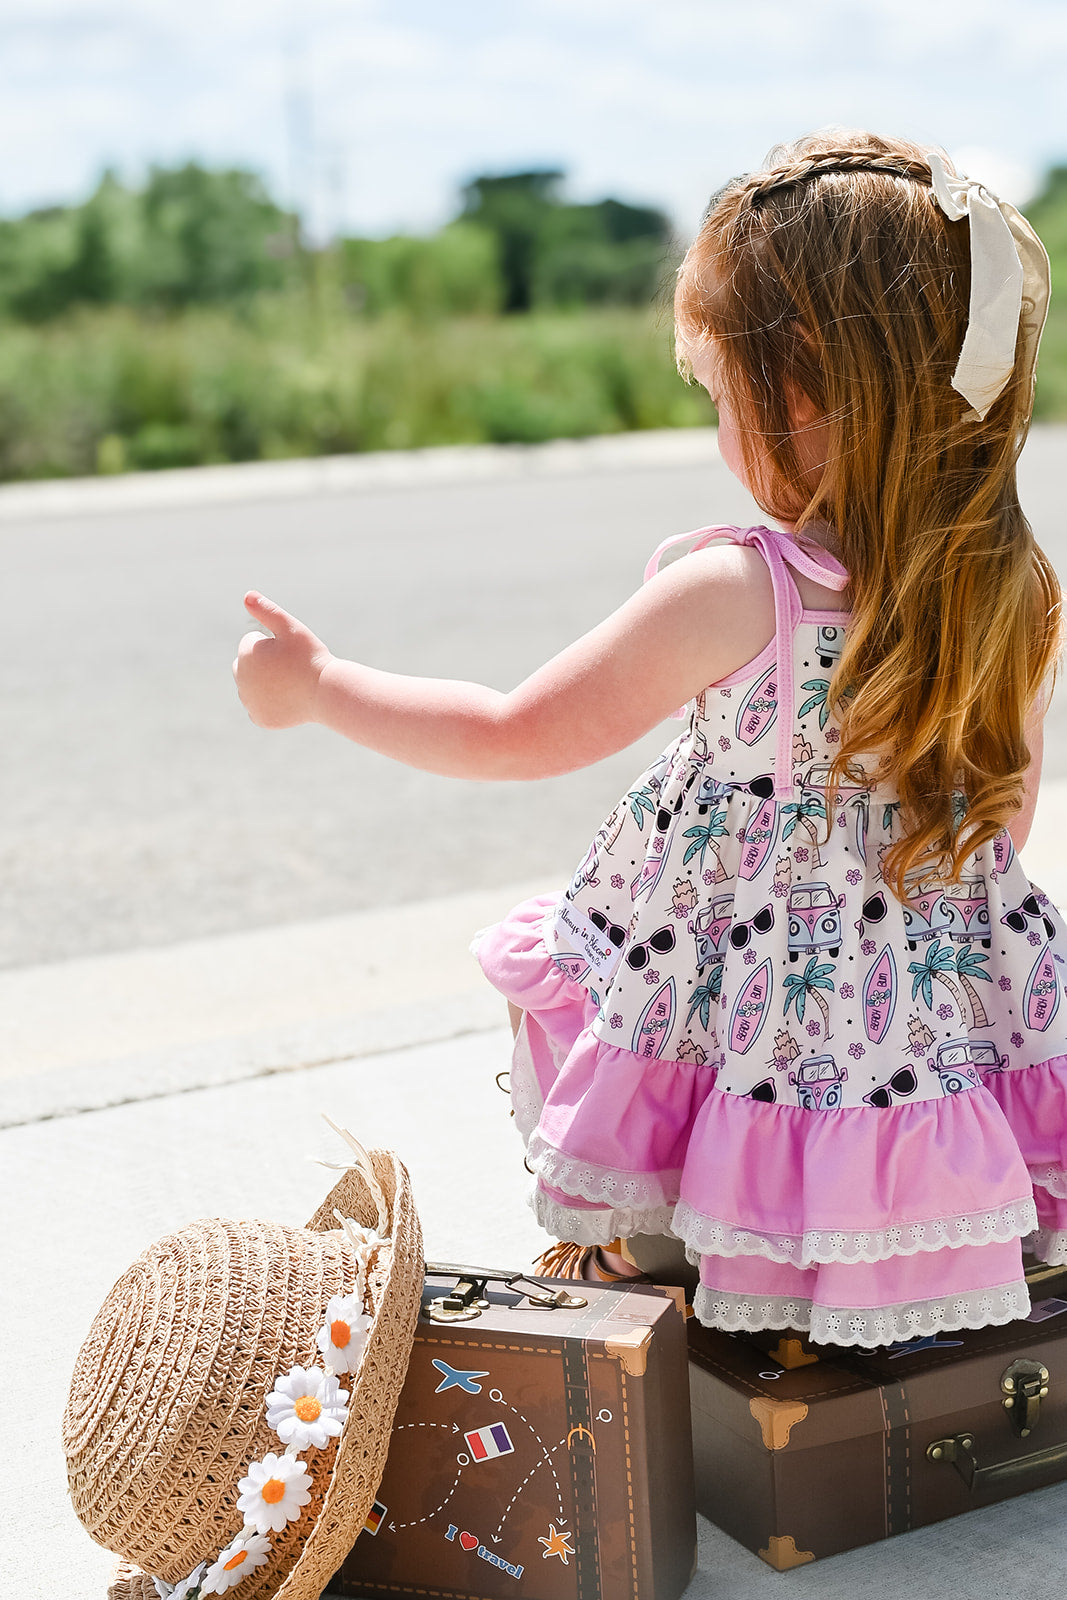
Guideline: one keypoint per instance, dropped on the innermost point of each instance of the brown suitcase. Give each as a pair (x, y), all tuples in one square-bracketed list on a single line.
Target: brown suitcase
[(541, 1448), (852, 1447)]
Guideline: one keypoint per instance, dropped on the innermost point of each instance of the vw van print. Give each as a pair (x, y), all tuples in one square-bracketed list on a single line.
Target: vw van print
[(814, 919), (817, 776), (968, 906), (711, 929), (818, 1083), (959, 1063), (926, 912), (830, 644)]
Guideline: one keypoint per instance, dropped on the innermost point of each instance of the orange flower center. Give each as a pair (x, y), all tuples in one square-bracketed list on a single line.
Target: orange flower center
[(273, 1491), (235, 1561), (307, 1408), (340, 1334)]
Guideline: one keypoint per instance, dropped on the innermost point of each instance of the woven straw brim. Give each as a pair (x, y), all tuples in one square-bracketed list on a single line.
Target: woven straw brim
[(343, 1496)]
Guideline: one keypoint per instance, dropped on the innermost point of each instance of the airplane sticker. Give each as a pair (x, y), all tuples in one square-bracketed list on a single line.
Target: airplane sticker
[(455, 1378)]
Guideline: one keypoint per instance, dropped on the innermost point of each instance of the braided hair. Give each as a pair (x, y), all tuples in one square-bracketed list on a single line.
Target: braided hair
[(832, 275)]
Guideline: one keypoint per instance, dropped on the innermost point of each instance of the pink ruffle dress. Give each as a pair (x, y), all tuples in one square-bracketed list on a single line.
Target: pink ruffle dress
[(852, 1109)]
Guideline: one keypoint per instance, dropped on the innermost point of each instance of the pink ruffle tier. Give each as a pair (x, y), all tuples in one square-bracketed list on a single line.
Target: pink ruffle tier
[(864, 1225)]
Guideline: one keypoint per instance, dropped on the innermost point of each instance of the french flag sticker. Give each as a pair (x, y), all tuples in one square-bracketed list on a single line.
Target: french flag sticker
[(485, 1443)]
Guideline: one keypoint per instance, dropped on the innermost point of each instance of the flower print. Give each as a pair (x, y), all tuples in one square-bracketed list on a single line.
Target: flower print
[(842, 821), (853, 875), (856, 1050), (724, 694), (749, 957), (1017, 1040), (800, 853), (868, 947), (342, 1338), (944, 1012), (814, 1027), (307, 1407), (651, 976), (724, 743), (274, 1492), (178, 1591), (247, 1552), (1005, 983), (740, 835), (657, 844), (709, 877), (832, 736), (846, 991), (1033, 938), (615, 1020), (779, 889), (617, 880)]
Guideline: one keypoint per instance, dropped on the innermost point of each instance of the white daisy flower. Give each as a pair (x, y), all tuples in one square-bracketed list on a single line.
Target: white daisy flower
[(307, 1407), (274, 1492), (178, 1591), (247, 1552), (345, 1334)]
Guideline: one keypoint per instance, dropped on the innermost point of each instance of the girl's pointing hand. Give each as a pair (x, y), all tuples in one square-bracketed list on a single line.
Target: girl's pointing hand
[(278, 678)]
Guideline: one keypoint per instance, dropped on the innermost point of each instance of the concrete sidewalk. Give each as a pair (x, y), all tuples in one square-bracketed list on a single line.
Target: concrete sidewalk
[(145, 1089)]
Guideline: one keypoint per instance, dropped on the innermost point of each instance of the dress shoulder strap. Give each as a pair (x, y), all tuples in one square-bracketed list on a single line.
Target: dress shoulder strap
[(780, 551)]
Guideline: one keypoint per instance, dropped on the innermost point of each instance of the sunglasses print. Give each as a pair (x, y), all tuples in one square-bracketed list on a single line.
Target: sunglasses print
[(874, 909), (902, 1084), (615, 934), (659, 943), (741, 932), (1030, 907)]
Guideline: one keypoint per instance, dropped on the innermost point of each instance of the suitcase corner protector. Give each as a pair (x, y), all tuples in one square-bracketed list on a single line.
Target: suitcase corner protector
[(782, 1554), (631, 1348)]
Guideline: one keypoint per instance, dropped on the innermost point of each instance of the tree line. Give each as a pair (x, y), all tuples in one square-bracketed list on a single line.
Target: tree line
[(191, 236)]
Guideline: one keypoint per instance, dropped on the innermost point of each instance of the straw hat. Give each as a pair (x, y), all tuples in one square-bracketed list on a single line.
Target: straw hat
[(168, 1425)]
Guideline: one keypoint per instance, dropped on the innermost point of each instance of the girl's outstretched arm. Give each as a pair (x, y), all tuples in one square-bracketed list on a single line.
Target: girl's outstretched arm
[(697, 621)]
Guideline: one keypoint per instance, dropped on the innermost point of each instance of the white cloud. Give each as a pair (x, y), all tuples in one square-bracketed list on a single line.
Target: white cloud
[(405, 98)]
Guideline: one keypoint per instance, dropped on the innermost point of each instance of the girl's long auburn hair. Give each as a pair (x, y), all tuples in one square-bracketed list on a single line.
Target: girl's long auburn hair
[(833, 274)]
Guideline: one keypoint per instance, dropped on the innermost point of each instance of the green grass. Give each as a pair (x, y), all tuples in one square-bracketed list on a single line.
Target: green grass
[(113, 390)]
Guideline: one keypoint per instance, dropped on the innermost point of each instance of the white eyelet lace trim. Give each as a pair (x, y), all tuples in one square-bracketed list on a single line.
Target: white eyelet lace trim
[(527, 1101), (604, 1186), (1052, 1179), (1049, 1245), (978, 1308), (596, 1227), (708, 1237)]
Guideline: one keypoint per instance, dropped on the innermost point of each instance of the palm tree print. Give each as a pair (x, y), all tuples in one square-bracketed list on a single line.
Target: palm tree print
[(968, 967), (800, 813), (642, 800), (819, 697), (702, 836), (799, 985), (702, 996), (936, 967)]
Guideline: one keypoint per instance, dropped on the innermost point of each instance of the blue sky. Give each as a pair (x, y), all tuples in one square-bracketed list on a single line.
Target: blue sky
[(375, 111)]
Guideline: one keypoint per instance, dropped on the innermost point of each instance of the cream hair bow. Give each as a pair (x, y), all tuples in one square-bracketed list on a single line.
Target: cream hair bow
[(1010, 282)]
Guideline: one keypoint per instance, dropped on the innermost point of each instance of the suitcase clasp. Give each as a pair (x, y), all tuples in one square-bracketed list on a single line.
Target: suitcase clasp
[(1024, 1385), (467, 1300)]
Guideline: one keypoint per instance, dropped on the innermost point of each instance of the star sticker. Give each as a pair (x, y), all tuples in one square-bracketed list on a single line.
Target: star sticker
[(556, 1544)]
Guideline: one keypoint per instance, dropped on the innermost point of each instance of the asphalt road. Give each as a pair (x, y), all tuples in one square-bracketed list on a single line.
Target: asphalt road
[(139, 807)]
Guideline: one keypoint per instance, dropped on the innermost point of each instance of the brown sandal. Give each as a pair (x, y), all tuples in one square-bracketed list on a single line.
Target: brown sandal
[(584, 1262)]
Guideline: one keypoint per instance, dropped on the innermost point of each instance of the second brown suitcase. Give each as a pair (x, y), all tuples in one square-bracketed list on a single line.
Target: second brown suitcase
[(799, 1464)]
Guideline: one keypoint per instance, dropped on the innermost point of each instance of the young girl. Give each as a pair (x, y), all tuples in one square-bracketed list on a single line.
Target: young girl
[(800, 1007)]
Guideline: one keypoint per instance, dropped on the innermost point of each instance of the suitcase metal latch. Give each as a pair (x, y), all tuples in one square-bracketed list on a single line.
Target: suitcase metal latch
[(467, 1300), (1025, 1385)]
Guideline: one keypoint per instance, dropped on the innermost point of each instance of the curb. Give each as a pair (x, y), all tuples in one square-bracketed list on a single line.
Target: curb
[(375, 471)]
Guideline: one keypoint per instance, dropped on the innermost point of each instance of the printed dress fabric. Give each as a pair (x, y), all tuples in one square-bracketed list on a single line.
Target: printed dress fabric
[(852, 1109)]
